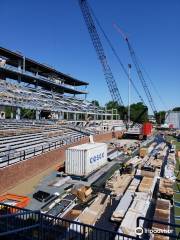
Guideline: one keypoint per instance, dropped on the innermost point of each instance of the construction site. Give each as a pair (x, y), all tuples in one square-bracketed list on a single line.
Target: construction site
[(71, 169)]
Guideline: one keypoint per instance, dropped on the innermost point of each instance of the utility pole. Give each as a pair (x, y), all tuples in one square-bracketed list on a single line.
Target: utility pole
[(129, 93)]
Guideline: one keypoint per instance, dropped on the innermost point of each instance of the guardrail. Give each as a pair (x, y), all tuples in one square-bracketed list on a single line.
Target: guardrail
[(169, 229), (35, 225), (15, 157)]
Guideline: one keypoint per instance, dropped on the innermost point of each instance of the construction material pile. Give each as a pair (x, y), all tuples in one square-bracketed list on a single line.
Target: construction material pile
[(147, 184), (82, 192), (166, 187), (143, 152), (135, 161), (125, 201), (118, 183), (139, 207), (95, 210), (122, 207), (162, 213), (163, 153), (170, 166), (156, 163)]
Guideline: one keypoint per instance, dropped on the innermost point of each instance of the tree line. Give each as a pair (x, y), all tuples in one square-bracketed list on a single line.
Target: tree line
[(138, 111)]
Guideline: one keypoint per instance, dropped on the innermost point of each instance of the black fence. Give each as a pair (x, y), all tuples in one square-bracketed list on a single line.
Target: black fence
[(147, 227), (16, 223)]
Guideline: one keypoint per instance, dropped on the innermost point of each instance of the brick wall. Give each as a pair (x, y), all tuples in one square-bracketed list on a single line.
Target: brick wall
[(19, 172)]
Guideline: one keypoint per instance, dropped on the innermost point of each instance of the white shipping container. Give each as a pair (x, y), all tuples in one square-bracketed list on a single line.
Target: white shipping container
[(83, 159)]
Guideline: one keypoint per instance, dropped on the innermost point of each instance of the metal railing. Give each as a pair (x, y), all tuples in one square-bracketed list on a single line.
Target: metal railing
[(18, 156), (169, 229), (38, 226)]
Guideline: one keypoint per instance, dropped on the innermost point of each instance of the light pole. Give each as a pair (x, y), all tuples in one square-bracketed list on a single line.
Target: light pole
[(129, 92)]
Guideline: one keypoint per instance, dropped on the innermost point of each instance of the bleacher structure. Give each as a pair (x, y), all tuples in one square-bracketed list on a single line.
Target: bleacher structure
[(20, 140), (27, 84), (60, 116)]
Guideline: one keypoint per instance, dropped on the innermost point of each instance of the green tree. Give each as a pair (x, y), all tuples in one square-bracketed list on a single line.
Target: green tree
[(96, 103), (139, 112), (112, 104), (121, 110), (27, 113), (8, 111), (177, 109), (160, 117)]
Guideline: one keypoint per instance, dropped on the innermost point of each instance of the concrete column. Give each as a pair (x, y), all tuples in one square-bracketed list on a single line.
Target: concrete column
[(77, 116), (86, 116), (11, 115), (38, 114), (19, 66), (60, 115), (20, 70), (74, 115), (18, 114)]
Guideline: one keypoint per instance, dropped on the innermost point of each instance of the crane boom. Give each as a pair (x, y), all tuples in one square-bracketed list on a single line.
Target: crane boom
[(110, 80), (138, 69)]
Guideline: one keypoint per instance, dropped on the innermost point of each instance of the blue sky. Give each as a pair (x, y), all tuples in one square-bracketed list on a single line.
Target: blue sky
[(54, 32)]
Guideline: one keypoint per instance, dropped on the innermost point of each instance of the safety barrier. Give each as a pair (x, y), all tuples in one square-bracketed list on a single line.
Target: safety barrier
[(35, 225)]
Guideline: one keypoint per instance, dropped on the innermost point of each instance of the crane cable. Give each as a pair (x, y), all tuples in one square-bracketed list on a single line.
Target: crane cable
[(116, 55), (153, 85)]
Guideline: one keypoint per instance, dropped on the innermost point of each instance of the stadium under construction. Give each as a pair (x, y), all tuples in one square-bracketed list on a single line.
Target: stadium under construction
[(72, 170)]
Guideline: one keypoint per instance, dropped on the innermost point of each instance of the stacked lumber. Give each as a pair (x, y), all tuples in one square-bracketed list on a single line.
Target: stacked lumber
[(147, 184), (128, 224), (163, 153), (125, 201), (143, 152), (82, 192), (122, 207), (148, 174), (139, 207), (162, 213), (134, 184), (135, 161), (170, 167), (118, 183), (95, 210), (156, 163), (166, 187)]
